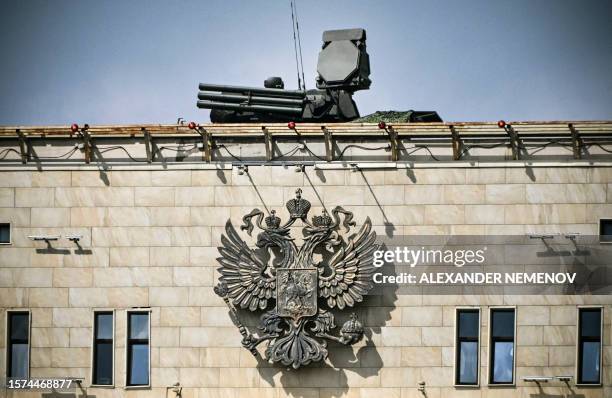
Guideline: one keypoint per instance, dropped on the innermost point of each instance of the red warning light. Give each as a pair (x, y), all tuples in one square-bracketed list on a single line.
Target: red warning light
[(501, 124), (192, 125), (291, 125)]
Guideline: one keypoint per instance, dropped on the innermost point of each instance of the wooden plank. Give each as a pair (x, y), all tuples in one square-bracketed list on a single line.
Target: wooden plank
[(87, 145), (148, 146), (457, 143), (24, 148), (268, 143), (329, 144), (514, 142), (576, 142), (393, 139), (206, 144)]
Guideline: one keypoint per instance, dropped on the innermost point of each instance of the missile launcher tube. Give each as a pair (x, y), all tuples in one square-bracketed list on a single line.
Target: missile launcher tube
[(249, 108)]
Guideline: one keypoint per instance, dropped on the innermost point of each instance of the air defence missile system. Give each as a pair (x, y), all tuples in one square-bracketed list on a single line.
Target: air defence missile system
[(343, 68)]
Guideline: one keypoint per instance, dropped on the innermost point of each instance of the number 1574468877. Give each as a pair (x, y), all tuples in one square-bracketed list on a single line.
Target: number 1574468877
[(63, 384)]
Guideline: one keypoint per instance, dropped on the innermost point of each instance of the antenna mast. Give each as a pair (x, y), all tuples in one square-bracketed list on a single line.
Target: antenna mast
[(297, 46)]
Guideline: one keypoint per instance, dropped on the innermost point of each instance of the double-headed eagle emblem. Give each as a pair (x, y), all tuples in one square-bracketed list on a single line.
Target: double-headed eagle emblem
[(279, 271)]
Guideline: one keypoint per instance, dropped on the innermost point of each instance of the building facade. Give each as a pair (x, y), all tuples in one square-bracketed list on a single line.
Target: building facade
[(130, 277)]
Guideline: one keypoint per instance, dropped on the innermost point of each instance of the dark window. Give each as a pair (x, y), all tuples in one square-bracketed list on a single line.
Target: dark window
[(138, 349), (605, 230), (589, 346), (103, 348), (18, 347), (501, 362), (466, 362), (5, 233)]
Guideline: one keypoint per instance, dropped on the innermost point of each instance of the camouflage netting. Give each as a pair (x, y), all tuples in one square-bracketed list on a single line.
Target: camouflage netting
[(385, 116)]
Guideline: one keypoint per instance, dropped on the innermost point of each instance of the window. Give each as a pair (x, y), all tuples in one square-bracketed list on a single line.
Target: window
[(501, 348), (467, 332), (605, 230), (18, 344), (5, 234), (138, 348), (589, 345), (103, 348)]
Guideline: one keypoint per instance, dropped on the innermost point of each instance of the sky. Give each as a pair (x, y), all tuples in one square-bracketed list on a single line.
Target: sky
[(124, 62)]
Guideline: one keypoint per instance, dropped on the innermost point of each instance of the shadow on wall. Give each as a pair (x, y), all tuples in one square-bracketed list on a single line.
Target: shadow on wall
[(389, 226), (345, 366), (545, 395), (64, 251), (558, 394), (56, 394)]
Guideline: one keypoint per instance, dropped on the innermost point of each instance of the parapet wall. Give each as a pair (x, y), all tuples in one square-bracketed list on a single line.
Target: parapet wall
[(310, 143)]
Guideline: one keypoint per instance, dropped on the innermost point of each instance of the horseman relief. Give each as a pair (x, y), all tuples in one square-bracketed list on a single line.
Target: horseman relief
[(290, 286), (296, 292)]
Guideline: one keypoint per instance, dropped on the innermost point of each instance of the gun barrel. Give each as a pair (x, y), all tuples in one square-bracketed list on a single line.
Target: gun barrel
[(250, 100), (249, 108), (274, 92)]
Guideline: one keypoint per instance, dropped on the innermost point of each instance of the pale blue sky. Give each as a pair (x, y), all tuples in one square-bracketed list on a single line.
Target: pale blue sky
[(110, 62)]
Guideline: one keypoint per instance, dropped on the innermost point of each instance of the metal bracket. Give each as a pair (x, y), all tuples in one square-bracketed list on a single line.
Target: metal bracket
[(268, 143), (394, 143), (327, 135), (514, 142), (87, 145), (148, 145), (24, 147), (576, 141), (457, 143), (206, 144)]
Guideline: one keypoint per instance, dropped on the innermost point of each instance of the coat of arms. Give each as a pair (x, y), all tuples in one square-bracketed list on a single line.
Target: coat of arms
[(278, 272)]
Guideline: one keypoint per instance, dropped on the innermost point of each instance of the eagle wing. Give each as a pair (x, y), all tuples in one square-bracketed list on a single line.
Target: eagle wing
[(249, 283), (351, 270)]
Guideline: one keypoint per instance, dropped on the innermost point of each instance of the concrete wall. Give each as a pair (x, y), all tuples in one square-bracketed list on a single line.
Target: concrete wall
[(150, 237)]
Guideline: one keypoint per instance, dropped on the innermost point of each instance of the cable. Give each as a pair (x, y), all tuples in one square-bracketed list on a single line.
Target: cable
[(362, 147), (288, 153), (427, 149), (112, 148), (543, 146), (228, 151), (466, 148), (297, 64), (178, 148), (312, 153), (558, 141), (6, 151), (67, 155), (526, 147), (598, 145), (297, 25)]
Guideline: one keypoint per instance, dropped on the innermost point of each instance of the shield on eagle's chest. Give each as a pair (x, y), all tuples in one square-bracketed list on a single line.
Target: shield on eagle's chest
[(296, 292)]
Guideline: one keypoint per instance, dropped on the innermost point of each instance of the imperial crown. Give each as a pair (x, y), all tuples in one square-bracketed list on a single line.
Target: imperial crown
[(323, 220), (298, 207), (273, 221)]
